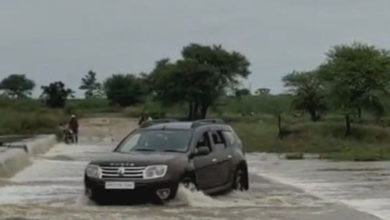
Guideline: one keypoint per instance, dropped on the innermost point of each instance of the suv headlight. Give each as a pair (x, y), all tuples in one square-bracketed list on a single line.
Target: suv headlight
[(156, 171), (93, 171)]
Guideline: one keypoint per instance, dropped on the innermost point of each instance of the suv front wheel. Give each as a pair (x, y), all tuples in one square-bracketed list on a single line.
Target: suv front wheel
[(239, 180), (189, 184)]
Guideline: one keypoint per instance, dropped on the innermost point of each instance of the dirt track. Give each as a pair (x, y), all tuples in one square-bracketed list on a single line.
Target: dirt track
[(106, 129)]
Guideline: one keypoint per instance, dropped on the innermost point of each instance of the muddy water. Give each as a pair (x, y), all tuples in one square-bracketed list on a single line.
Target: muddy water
[(52, 188), (364, 186)]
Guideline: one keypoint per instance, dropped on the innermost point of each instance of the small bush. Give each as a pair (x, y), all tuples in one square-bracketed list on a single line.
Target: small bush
[(28, 117), (385, 121), (368, 133), (294, 156)]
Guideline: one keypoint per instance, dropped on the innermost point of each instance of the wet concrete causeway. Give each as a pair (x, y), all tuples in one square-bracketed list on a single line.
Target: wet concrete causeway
[(52, 188)]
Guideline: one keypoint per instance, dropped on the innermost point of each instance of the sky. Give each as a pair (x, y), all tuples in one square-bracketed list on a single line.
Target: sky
[(51, 40)]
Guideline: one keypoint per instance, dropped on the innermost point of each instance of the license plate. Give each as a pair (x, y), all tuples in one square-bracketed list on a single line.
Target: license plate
[(119, 185)]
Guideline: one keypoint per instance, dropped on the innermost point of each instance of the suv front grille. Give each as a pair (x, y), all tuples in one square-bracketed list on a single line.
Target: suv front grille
[(116, 172)]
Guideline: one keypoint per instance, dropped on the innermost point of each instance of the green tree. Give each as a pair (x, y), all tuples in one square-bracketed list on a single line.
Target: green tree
[(124, 89), (90, 84), (199, 78), (242, 92), (308, 91), (17, 86), (56, 94), (262, 91), (356, 75)]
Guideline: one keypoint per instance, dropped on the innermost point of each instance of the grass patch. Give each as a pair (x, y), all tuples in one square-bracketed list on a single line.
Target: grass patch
[(362, 152), (88, 107), (28, 117), (36, 122), (259, 104), (367, 142)]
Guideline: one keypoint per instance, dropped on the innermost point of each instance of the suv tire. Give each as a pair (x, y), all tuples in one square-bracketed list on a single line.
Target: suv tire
[(239, 179), (189, 184)]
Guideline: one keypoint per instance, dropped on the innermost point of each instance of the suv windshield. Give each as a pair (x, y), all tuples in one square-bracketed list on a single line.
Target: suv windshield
[(156, 140)]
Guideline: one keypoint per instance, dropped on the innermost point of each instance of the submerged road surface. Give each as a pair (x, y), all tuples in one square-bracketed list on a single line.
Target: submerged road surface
[(52, 187)]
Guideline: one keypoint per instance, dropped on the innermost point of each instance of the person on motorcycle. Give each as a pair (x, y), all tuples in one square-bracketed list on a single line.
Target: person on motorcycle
[(74, 126), (145, 117)]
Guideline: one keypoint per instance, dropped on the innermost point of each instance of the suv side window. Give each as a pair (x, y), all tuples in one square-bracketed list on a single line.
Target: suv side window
[(229, 137), (204, 141), (218, 139)]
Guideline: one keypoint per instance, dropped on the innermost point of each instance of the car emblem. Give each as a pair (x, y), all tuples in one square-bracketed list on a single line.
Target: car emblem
[(121, 171)]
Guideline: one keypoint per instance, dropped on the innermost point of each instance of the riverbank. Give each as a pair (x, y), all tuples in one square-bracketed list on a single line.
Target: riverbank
[(326, 139), (14, 159)]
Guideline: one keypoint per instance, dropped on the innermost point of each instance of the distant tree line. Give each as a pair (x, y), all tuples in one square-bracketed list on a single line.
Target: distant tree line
[(352, 79), (198, 79)]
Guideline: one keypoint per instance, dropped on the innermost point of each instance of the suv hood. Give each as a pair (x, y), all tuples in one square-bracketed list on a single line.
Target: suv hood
[(139, 158)]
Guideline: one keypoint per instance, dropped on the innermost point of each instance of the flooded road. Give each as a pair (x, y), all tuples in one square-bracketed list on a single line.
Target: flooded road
[(52, 187), (364, 186)]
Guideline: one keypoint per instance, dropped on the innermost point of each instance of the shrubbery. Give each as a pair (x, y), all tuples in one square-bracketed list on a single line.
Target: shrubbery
[(28, 117), (366, 142)]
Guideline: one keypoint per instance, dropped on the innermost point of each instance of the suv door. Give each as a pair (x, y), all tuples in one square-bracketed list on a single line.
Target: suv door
[(205, 165), (223, 157)]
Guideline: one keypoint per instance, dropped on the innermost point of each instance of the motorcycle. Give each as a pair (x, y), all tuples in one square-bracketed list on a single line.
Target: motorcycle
[(69, 136)]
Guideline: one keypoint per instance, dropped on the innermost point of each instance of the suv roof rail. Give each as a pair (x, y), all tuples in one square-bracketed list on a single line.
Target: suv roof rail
[(207, 121), (157, 121)]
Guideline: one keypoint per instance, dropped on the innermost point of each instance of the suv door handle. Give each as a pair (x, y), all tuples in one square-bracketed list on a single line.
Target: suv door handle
[(214, 160), (229, 156)]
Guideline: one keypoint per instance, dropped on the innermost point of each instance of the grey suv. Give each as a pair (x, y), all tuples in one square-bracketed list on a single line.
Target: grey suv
[(153, 160)]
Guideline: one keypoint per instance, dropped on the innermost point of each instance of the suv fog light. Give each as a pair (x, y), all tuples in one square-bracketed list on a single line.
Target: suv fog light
[(93, 171), (163, 193)]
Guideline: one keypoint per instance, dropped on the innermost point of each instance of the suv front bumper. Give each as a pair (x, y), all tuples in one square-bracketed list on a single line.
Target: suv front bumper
[(163, 188)]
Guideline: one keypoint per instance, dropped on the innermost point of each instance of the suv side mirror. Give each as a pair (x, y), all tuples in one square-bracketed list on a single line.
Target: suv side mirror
[(202, 150)]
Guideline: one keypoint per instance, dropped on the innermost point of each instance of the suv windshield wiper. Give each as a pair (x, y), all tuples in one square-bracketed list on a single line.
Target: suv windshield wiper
[(144, 149), (172, 150)]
